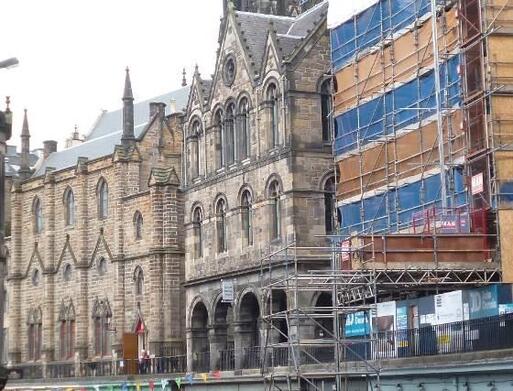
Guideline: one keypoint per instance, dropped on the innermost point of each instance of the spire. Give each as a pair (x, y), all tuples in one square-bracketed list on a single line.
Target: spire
[(128, 112), (24, 171), (184, 78), (196, 71)]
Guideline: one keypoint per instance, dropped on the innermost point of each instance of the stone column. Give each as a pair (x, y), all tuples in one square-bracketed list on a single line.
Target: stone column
[(14, 281), (155, 314), (82, 226), (217, 340), (49, 260)]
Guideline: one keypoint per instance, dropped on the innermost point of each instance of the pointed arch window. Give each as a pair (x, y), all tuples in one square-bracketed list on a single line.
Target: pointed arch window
[(329, 205), (221, 226), (274, 195), (196, 160), (139, 281), (274, 115), (102, 316), (197, 219), (69, 207), (326, 110), (138, 225), (35, 334), (67, 331), (230, 134), (220, 139), (244, 130), (247, 218), (37, 211), (103, 199)]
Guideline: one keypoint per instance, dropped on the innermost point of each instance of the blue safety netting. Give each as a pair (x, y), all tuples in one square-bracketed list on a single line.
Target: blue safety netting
[(394, 209), (373, 25), (408, 104)]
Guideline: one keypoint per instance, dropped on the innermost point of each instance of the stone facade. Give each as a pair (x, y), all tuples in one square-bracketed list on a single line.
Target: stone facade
[(275, 153), (124, 256)]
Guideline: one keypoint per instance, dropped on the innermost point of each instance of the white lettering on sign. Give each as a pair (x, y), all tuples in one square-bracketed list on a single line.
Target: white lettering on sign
[(477, 184)]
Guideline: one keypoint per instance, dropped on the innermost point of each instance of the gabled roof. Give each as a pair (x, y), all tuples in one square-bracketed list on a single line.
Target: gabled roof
[(107, 132), (112, 121), (289, 31)]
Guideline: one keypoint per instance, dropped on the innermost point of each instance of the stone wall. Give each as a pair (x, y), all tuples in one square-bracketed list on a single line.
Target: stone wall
[(133, 187)]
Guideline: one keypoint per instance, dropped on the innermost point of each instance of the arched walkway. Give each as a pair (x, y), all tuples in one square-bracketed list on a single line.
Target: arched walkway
[(199, 335), (278, 306), (248, 332), (324, 320), (221, 338)]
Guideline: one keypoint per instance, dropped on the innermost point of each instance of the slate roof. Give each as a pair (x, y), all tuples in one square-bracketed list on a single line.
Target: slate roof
[(107, 131), (289, 31), (13, 160)]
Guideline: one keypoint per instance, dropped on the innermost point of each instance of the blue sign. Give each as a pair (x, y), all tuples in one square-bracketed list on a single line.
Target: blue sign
[(357, 324), (483, 302)]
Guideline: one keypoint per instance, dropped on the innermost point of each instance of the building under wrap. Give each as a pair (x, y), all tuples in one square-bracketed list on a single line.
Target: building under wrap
[(423, 131)]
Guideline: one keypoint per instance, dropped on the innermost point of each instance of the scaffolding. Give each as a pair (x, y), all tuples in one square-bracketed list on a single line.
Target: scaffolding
[(420, 115), (303, 360)]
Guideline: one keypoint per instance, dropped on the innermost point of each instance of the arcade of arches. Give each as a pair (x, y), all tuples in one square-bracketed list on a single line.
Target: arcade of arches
[(226, 334)]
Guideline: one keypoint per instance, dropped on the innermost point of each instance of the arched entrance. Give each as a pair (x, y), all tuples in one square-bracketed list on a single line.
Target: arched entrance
[(324, 316), (248, 331), (199, 331), (222, 338), (278, 307)]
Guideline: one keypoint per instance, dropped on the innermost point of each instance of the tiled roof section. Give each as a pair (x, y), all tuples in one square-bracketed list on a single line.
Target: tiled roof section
[(13, 161), (112, 121), (254, 29), (164, 176), (91, 149), (290, 31), (307, 21), (106, 133)]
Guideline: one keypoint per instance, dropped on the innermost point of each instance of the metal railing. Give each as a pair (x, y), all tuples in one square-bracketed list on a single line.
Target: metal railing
[(476, 335)]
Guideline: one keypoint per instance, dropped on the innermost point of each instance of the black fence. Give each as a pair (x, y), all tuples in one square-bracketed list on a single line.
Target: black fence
[(485, 334), (476, 335)]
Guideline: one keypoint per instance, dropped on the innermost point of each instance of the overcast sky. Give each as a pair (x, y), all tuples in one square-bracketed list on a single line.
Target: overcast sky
[(73, 54)]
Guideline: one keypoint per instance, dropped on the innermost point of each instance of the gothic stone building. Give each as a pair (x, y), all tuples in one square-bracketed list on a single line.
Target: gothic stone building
[(95, 229), (258, 174)]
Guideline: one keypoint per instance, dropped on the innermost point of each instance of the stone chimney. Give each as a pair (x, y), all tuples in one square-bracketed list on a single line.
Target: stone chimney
[(172, 106), (49, 147)]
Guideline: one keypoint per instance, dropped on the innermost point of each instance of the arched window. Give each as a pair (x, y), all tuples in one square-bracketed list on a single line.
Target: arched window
[(69, 207), (326, 110), (38, 216), (102, 316), (247, 218), (103, 199), (195, 131), (230, 134), (197, 219), (274, 115), (329, 205), (221, 226), (274, 195), (218, 120), (35, 334), (244, 133), (139, 281), (138, 225), (102, 266), (67, 331)]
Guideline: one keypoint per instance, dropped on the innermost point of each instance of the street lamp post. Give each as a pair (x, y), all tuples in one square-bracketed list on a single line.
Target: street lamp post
[(5, 134)]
